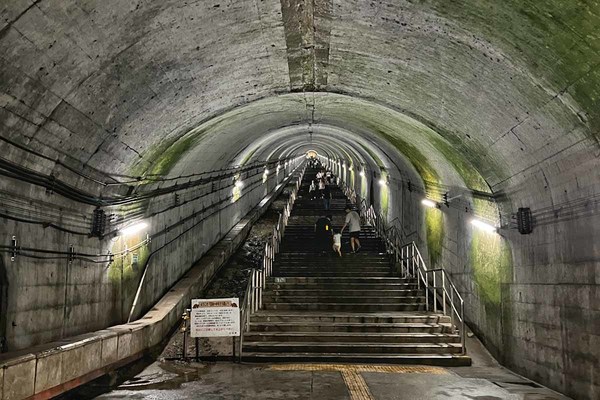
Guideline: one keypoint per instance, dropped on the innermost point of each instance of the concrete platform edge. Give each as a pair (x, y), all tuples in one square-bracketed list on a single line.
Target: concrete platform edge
[(63, 365)]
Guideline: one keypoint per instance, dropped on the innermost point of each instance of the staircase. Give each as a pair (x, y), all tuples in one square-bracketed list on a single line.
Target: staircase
[(322, 307)]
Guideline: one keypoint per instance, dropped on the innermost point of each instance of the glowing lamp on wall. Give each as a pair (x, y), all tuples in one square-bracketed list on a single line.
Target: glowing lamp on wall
[(135, 228), (429, 203), (483, 226)]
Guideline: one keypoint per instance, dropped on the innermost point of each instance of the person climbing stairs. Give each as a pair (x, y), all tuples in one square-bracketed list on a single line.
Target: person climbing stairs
[(355, 308)]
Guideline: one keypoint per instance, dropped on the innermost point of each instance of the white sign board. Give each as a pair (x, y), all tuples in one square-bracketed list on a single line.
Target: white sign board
[(215, 317)]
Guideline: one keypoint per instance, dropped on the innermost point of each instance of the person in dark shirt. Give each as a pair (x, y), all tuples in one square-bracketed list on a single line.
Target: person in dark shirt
[(327, 197), (323, 234)]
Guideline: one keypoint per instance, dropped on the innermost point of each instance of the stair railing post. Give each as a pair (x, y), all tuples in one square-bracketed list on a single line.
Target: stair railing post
[(434, 292), (452, 316), (462, 328), (402, 262), (412, 262), (427, 291), (252, 294), (256, 293), (260, 289), (444, 291)]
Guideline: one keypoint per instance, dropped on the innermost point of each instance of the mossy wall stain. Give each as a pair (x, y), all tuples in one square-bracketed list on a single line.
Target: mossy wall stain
[(128, 265), (557, 39), (491, 262), (434, 226), (416, 158), (172, 155)]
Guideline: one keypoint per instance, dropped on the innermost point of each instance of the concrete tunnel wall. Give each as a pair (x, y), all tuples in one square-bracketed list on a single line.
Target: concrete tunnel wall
[(499, 98), (52, 299)]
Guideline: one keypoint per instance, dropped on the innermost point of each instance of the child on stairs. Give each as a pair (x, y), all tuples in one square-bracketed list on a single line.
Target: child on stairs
[(337, 243)]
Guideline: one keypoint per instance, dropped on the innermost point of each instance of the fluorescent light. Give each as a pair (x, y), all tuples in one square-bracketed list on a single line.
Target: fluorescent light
[(239, 184), (133, 228), (483, 225), (429, 203)]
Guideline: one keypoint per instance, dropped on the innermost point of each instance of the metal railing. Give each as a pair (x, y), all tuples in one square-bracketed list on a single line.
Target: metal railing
[(253, 298), (441, 294)]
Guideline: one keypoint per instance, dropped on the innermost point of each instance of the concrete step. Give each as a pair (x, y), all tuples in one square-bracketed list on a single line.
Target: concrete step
[(292, 291), (343, 280), (302, 256), (354, 327), (325, 271), (334, 261), (439, 359), (351, 337), (352, 347), (350, 317), (325, 299), (347, 307), (331, 267), (341, 286)]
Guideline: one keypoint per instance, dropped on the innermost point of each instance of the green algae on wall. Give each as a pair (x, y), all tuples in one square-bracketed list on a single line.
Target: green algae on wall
[(434, 225), (127, 264), (491, 263), (171, 155), (557, 39), (416, 158), (491, 258)]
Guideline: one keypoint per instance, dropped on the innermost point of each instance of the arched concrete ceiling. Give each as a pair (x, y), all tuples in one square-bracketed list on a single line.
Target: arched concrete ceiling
[(507, 87)]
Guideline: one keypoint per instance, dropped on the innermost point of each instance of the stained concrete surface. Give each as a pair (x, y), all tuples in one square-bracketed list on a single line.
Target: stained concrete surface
[(233, 381), (485, 380)]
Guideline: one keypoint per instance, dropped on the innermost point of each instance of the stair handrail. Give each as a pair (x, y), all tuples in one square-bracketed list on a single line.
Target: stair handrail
[(412, 265), (253, 296), (445, 296)]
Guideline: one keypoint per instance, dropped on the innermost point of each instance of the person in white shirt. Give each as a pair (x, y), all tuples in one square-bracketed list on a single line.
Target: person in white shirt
[(337, 243), (312, 190), (353, 219)]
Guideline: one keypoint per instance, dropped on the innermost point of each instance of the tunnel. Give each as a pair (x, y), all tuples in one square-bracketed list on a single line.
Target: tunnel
[(471, 129)]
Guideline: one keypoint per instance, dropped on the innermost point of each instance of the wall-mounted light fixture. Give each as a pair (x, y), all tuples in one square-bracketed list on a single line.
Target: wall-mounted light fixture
[(135, 228), (239, 184), (429, 203), (382, 182), (362, 173), (483, 226)]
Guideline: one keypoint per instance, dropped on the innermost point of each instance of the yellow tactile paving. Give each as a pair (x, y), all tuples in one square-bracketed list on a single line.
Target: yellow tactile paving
[(357, 387), (389, 369)]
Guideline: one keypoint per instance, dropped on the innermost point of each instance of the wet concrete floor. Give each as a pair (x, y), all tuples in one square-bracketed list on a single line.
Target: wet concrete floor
[(174, 380), (231, 382)]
